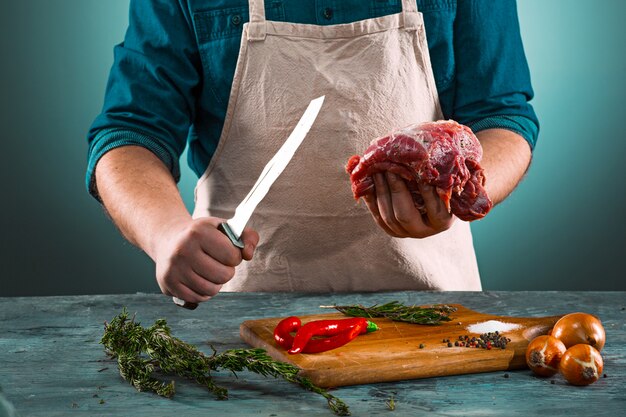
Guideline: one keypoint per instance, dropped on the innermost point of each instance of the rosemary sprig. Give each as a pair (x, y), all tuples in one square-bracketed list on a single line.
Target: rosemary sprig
[(138, 372), (390, 403), (397, 311), (262, 364), (140, 352)]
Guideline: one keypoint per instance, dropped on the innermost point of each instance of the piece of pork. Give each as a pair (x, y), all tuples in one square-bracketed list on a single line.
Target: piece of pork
[(443, 154)]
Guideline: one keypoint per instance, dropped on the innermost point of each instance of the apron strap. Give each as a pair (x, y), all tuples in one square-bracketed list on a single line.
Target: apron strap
[(409, 5), (412, 18), (256, 26)]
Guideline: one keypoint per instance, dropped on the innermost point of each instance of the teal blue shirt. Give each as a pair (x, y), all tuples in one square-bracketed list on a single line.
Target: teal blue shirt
[(172, 74)]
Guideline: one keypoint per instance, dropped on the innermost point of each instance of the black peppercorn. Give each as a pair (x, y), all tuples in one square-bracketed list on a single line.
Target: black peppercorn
[(487, 341)]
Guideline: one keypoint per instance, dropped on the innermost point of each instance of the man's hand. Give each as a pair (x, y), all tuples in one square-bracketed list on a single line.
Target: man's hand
[(393, 209), (506, 156), (194, 259)]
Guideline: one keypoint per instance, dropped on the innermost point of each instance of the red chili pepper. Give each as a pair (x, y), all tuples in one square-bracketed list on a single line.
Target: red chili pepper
[(282, 332), (333, 342), (340, 331)]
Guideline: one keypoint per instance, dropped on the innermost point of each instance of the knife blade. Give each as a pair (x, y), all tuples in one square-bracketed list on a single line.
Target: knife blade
[(233, 227)]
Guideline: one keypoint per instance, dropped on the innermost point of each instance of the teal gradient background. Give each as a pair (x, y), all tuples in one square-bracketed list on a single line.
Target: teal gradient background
[(563, 228)]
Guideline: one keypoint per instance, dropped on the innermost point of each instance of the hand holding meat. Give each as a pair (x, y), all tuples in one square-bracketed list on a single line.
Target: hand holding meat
[(195, 259), (417, 179), (392, 206)]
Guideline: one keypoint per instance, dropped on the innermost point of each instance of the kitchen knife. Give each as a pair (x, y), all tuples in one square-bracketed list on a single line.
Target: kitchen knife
[(233, 227)]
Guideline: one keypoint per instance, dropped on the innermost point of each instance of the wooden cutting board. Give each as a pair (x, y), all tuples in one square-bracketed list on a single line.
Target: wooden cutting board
[(392, 353)]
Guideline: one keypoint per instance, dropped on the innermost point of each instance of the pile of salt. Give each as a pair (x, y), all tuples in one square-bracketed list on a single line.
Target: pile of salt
[(492, 326)]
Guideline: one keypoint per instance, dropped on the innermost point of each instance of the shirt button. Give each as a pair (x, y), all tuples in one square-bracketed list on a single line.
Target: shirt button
[(236, 20), (327, 13)]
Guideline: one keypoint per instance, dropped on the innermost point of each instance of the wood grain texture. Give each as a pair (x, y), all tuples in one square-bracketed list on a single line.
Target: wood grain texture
[(51, 363), (392, 353)]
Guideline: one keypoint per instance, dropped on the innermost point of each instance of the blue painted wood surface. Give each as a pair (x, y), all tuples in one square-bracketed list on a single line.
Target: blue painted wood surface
[(51, 362)]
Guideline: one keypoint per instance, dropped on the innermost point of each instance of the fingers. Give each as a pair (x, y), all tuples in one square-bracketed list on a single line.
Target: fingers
[(207, 268), (250, 240), (206, 274), (190, 295), (202, 286), (216, 244), (394, 210), (385, 205), (372, 204), (197, 259), (187, 294), (187, 284), (438, 217), (219, 246), (405, 213)]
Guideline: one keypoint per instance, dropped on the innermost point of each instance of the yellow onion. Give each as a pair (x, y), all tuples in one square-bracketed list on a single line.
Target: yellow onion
[(544, 354), (581, 365), (576, 328)]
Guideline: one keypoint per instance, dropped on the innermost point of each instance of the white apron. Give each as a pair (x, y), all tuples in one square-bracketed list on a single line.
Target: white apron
[(376, 75)]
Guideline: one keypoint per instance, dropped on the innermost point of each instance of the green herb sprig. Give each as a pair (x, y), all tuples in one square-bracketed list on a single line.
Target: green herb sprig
[(397, 311), (141, 352)]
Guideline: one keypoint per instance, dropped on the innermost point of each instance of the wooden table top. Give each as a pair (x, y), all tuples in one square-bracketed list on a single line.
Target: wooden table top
[(51, 362)]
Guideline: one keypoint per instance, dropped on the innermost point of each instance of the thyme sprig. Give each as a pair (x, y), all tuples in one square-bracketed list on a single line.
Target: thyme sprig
[(141, 352), (397, 311)]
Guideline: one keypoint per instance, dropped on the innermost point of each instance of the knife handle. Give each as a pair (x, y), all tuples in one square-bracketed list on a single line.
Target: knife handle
[(184, 304), (225, 228)]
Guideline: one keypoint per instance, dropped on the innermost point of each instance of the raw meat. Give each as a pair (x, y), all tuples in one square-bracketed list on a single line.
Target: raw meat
[(444, 154)]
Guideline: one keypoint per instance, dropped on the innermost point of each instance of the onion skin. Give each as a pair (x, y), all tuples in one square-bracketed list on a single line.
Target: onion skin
[(581, 365), (543, 355), (576, 328)]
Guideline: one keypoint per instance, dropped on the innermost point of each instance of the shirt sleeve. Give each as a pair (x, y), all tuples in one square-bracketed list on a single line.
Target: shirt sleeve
[(150, 94), (493, 87)]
